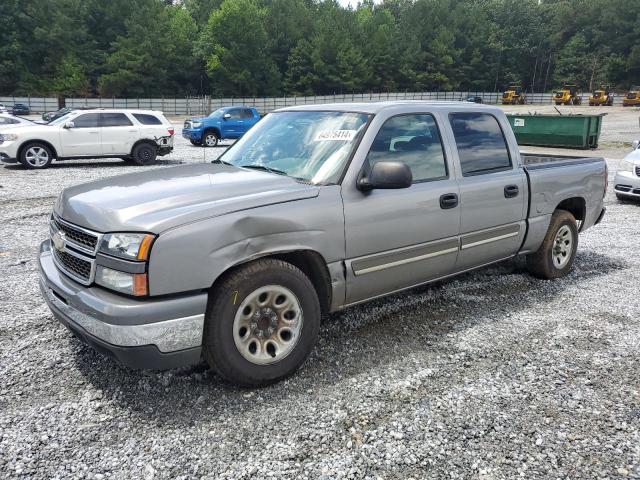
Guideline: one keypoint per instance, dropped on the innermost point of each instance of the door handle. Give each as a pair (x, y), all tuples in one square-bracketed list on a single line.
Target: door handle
[(448, 200), (511, 191)]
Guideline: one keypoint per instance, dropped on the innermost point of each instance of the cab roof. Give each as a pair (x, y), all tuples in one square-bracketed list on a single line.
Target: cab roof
[(378, 107)]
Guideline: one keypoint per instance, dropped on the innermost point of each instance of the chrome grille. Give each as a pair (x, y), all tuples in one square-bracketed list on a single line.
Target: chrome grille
[(76, 235), (74, 249), (638, 170), (76, 266)]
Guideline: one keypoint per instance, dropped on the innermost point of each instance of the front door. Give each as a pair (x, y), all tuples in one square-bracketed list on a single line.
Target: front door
[(233, 125), (400, 238), (84, 138), (492, 191)]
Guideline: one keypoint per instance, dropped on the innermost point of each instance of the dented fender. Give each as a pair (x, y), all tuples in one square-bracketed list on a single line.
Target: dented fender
[(191, 257)]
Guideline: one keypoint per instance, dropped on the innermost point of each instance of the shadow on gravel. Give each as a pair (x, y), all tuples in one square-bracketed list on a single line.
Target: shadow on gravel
[(96, 164), (359, 340)]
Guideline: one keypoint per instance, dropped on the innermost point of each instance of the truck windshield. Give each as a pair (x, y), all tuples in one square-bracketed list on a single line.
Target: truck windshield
[(311, 146), (216, 113)]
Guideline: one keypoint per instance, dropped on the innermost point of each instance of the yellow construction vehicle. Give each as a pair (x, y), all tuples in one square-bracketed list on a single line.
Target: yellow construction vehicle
[(602, 96), (568, 95), (514, 95), (632, 99)]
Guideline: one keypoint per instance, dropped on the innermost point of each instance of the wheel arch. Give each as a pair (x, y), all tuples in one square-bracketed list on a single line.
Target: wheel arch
[(214, 129), (577, 206), (141, 141), (31, 142), (310, 262)]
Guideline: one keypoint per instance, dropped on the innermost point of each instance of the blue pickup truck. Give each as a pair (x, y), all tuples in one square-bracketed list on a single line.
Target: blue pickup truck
[(227, 122)]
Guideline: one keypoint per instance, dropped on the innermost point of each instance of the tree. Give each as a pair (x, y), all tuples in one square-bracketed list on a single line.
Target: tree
[(234, 47)]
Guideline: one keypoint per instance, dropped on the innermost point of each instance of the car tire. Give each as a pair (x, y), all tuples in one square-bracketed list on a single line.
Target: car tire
[(554, 258), (36, 156), (210, 139), (144, 153), (259, 312)]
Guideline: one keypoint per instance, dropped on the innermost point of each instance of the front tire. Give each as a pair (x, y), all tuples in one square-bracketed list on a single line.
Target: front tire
[(210, 139), (261, 323), (554, 258), (144, 154), (36, 156)]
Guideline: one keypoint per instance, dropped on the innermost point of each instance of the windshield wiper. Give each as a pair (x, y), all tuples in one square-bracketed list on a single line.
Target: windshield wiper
[(219, 160), (264, 168)]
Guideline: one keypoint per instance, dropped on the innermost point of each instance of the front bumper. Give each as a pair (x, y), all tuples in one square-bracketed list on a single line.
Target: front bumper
[(192, 134), (627, 184), (155, 334)]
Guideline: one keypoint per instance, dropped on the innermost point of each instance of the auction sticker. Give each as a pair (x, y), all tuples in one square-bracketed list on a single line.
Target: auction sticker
[(344, 135), (518, 122)]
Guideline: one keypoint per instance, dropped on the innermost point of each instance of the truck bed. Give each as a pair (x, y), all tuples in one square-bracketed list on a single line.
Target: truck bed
[(534, 161)]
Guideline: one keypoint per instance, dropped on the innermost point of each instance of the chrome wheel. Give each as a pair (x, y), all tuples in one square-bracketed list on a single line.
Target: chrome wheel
[(562, 247), (210, 140), (36, 156), (267, 325)]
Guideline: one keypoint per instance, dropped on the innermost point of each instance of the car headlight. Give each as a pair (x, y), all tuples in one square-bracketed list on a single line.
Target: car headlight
[(129, 283), (130, 246), (196, 124), (7, 137), (626, 166)]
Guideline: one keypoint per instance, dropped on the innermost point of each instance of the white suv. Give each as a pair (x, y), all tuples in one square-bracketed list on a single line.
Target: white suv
[(133, 135)]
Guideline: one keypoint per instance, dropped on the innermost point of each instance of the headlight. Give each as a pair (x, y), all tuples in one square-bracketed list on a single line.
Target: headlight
[(131, 246), (129, 283), (626, 166), (196, 124), (7, 137)]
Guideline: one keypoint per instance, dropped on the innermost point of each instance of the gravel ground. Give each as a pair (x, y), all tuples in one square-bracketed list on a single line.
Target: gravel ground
[(491, 375)]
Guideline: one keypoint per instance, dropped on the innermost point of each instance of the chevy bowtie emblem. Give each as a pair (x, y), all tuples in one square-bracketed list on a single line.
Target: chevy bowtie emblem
[(59, 240)]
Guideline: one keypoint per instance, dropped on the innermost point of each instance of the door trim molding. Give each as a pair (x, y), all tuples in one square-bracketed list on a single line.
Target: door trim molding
[(494, 235), (403, 256)]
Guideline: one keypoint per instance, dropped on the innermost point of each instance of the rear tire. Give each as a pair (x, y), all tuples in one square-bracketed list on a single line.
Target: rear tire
[(144, 154), (554, 258), (261, 323), (36, 156)]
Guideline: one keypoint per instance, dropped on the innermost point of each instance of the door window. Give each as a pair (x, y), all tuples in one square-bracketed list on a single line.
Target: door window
[(414, 140), (235, 114), (246, 113), (87, 120), (113, 119), (482, 147)]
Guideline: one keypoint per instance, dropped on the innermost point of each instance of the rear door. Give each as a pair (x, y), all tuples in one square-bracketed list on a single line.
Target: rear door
[(248, 119), (118, 133), (83, 140), (492, 191), (400, 238)]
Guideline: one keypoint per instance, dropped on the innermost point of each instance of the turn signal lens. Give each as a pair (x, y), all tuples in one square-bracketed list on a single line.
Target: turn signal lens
[(145, 247), (140, 284)]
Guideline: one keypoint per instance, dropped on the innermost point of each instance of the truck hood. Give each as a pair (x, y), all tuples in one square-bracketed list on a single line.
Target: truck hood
[(168, 197)]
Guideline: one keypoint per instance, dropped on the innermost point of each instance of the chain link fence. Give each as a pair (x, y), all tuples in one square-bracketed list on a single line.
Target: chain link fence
[(205, 105)]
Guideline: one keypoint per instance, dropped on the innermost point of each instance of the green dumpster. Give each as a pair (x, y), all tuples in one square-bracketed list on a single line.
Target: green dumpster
[(569, 131)]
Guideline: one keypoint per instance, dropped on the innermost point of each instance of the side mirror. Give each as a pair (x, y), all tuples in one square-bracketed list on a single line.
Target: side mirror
[(635, 144), (69, 125), (386, 175), (226, 116)]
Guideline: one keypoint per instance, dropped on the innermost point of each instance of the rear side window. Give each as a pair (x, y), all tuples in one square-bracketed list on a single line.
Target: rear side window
[(481, 144), (87, 120), (414, 140), (113, 119), (145, 119)]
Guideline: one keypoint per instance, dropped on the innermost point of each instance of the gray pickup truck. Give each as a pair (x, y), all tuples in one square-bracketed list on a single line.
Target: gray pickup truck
[(315, 209)]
